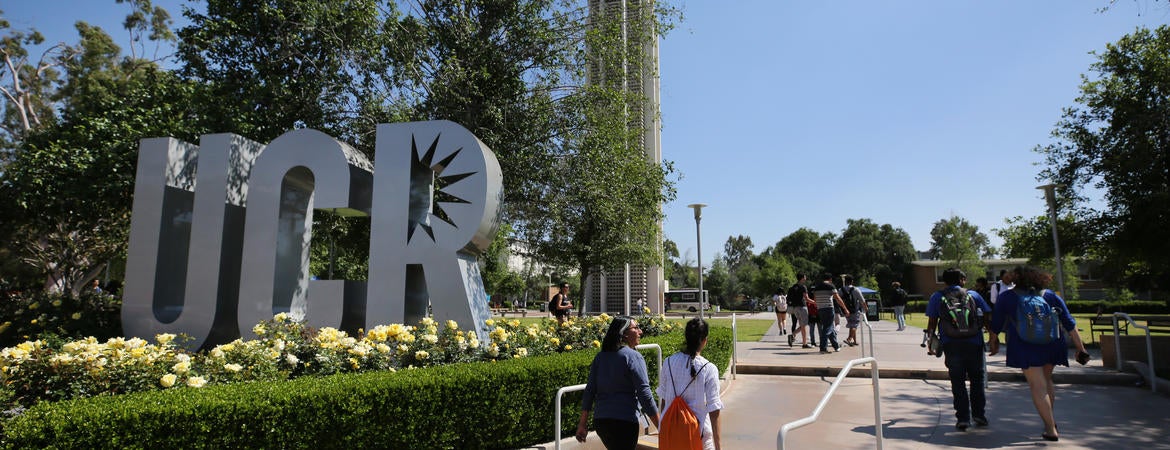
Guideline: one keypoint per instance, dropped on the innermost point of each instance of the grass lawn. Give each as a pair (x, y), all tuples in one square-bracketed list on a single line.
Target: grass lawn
[(749, 330)]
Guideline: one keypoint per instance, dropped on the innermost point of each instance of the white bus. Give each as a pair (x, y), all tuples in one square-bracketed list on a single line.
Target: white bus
[(686, 299)]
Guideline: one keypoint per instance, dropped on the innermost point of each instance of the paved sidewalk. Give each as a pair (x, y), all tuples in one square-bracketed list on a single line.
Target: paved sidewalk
[(1097, 408)]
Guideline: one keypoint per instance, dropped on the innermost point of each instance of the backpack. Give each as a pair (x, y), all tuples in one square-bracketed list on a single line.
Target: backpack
[(679, 427), (960, 318), (554, 303), (795, 296), (1036, 320)]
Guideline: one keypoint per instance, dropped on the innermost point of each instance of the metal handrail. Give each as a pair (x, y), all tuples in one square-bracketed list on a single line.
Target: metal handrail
[(782, 436), (1149, 346), (557, 414), (868, 327), (734, 339), (580, 387)]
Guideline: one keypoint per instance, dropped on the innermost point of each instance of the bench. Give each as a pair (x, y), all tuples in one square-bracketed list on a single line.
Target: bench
[(1159, 325), (1105, 324)]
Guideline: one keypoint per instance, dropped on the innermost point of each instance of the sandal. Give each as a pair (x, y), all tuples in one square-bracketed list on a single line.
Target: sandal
[(1050, 437)]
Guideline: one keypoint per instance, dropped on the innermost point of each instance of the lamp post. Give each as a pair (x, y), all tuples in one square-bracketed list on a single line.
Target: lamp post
[(1050, 196), (699, 249)]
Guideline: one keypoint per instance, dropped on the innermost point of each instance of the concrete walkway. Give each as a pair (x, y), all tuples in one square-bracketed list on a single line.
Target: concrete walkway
[(1097, 407)]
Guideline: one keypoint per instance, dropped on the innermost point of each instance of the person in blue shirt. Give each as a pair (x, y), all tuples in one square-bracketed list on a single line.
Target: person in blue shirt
[(617, 384), (1037, 360), (963, 356)]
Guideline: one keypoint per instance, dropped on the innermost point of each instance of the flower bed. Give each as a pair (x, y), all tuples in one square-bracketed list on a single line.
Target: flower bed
[(34, 371), (502, 403)]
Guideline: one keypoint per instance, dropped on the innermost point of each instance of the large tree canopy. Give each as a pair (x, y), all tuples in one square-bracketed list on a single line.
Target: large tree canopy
[(580, 191), (1117, 140)]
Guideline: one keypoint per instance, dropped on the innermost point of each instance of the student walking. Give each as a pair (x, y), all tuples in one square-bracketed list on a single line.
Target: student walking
[(1033, 318), (826, 297), (617, 385), (958, 314), (696, 380)]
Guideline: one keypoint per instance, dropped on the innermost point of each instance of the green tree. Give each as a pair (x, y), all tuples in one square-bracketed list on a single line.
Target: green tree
[(775, 273), (875, 255), (806, 250), (716, 281), (1116, 140), (670, 263), (960, 243), (737, 251), (68, 186)]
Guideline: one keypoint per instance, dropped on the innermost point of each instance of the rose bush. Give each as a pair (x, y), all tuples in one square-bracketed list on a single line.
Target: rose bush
[(285, 348)]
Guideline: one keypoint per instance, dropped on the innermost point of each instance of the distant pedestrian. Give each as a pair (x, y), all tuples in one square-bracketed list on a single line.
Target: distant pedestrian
[(959, 314), (781, 305), (898, 301), (984, 289), (560, 305), (696, 380), (1000, 286), (1037, 359), (617, 384), (798, 300), (856, 301), (827, 298)]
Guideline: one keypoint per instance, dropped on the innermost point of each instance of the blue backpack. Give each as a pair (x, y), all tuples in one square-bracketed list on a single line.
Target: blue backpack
[(1036, 320)]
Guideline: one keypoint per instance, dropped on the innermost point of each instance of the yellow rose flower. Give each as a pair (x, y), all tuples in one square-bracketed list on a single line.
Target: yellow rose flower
[(489, 322), (451, 324), (56, 303), (76, 316), (34, 305), (164, 338), (259, 329), (280, 318), (196, 382), (422, 354), (596, 344), (168, 380), (568, 347)]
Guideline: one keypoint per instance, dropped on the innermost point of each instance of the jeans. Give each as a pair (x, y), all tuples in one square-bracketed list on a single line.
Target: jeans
[(812, 330), (828, 331), (900, 313), (965, 362)]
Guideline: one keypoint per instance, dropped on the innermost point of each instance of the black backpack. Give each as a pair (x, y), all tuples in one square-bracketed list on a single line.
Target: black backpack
[(959, 317), (795, 296), (554, 303)]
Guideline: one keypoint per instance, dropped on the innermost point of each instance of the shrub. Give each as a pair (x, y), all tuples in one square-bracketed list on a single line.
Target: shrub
[(56, 317), (496, 404), (39, 370)]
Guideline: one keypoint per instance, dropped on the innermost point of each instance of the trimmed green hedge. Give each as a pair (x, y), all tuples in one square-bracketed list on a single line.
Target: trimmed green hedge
[(505, 404)]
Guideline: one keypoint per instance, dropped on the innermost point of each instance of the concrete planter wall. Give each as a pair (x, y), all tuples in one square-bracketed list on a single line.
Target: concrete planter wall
[(1133, 348)]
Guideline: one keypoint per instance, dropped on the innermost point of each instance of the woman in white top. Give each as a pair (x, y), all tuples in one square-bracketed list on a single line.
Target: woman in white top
[(702, 396)]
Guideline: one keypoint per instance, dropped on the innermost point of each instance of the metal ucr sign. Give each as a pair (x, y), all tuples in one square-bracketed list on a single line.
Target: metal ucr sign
[(220, 232)]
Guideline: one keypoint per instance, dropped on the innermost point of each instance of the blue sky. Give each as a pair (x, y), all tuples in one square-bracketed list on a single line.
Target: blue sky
[(788, 114)]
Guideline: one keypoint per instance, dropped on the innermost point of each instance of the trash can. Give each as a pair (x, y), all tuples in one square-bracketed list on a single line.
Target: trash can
[(871, 312)]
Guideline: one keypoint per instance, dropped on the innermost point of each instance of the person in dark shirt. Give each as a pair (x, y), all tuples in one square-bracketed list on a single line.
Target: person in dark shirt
[(618, 383)]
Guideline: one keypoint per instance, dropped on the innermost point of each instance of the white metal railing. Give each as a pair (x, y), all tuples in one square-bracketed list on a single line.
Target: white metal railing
[(734, 339), (782, 436), (557, 414), (1149, 346), (868, 327), (580, 387)]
